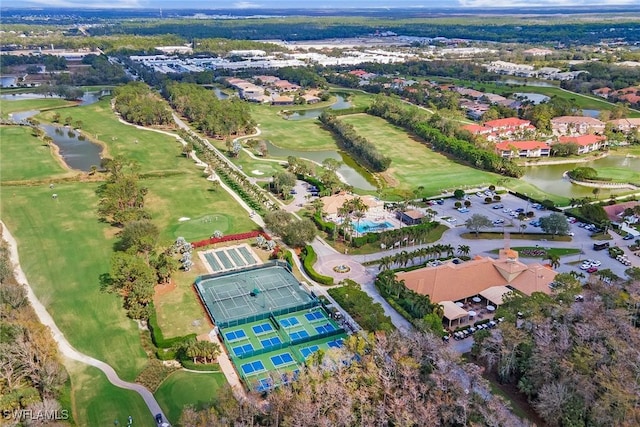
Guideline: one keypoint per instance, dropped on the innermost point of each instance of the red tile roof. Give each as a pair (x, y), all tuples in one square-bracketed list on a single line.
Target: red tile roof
[(583, 140), (520, 145), (476, 129), (508, 122)]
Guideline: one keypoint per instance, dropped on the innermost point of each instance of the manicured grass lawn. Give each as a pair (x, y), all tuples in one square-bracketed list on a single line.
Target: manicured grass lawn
[(306, 135), (248, 164), (191, 195), (37, 160), (619, 174), (63, 250), (413, 164), (99, 403), (551, 251), (517, 236), (187, 388), (153, 151), (7, 106)]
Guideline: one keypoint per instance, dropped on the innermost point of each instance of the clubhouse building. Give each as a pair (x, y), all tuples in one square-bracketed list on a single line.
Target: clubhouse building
[(483, 280)]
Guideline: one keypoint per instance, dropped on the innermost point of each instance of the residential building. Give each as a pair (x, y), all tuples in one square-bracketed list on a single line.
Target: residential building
[(282, 100), (537, 52), (511, 149), (576, 125), (603, 92), (625, 125), (586, 143)]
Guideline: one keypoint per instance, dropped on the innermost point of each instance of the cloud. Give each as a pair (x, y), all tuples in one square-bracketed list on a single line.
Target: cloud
[(543, 3), (246, 5), (114, 4)]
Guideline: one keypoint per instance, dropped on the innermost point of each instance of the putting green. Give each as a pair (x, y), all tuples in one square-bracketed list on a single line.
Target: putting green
[(202, 227)]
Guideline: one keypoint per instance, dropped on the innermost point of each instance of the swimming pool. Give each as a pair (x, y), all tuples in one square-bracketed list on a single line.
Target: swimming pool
[(368, 226)]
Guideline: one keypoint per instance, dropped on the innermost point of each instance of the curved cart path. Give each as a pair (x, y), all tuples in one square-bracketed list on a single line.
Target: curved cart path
[(65, 347)]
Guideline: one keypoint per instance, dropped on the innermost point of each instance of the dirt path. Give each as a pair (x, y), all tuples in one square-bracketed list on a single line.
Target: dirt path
[(66, 349)]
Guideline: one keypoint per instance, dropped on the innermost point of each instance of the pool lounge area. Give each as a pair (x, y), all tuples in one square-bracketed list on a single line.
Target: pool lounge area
[(369, 226)]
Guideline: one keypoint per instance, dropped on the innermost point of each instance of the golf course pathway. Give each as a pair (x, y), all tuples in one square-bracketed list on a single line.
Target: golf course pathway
[(65, 347)]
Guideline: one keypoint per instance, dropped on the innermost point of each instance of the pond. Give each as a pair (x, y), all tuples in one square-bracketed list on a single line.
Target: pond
[(351, 175), (340, 104), (549, 178), (536, 98), (536, 83), (88, 98), (219, 93), (7, 81), (77, 152), (591, 113)]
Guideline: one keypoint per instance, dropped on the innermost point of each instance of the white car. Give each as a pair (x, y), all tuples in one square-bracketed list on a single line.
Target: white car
[(586, 266), (595, 263)]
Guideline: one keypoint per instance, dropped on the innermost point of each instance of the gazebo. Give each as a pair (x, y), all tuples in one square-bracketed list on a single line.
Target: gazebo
[(453, 312)]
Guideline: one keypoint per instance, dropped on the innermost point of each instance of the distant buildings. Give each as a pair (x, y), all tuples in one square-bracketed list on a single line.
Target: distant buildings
[(529, 71), (586, 143), (576, 125)]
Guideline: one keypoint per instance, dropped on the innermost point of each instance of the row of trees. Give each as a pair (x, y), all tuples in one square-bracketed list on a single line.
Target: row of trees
[(138, 104), (214, 117), (575, 359), (31, 375), (357, 146), (403, 258), (461, 149), (137, 265), (397, 379)]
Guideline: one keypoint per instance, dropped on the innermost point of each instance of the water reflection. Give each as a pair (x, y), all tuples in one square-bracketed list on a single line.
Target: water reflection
[(351, 175), (549, 178), (77, 152), (340, 104)]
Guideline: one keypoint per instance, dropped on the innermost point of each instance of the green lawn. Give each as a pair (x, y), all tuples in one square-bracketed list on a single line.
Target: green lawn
[(413, 164), (619, 174), (7, 106), (63, 250), (37, 160), (187, 388), (306, 135), (153, 151), (99, 403), (191, 196), (551, 251)]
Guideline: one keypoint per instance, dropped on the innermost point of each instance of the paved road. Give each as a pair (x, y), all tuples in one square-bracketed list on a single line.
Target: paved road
[(65, 347)]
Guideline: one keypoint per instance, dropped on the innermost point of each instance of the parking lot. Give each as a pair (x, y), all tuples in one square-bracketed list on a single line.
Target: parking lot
[(503, 213)]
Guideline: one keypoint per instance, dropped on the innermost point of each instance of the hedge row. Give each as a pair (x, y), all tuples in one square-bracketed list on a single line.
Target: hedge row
[(156, 333), (312, 180), (309, 257), (231, 238), (326, 226), (188, 364)]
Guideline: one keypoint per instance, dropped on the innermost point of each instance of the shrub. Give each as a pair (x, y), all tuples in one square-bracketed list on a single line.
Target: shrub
[(188, 364), (367, 313), (153, 374), (309, 257)]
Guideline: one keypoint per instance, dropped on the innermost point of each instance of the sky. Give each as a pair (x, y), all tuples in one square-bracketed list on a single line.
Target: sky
[(319, 4)]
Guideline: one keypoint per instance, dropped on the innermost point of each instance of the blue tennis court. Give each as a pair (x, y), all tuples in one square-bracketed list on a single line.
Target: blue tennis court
[(282, 359), (270, 342), (298, 335), (264, 384), (323, 329), (289, 322), (261, 329), (307, 351), (235, 335), (316, 315), (251, 367), (336, 343), (242, 349)]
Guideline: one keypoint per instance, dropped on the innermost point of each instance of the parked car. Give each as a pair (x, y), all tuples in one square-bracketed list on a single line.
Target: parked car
[(592, 269), (497, 207), (628, 237)]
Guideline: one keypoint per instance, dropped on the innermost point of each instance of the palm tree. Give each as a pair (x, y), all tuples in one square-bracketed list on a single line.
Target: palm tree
[(605, 224), (554, 260), (385, 262), (449, 249), (464, 250), (359, 215)]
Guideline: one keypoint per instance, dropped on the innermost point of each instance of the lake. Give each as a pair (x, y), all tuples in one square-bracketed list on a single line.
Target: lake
[(87, 98), (77, 152), (351, 175), (549, 178), (340, 104), (536, 83), (7, 81)]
